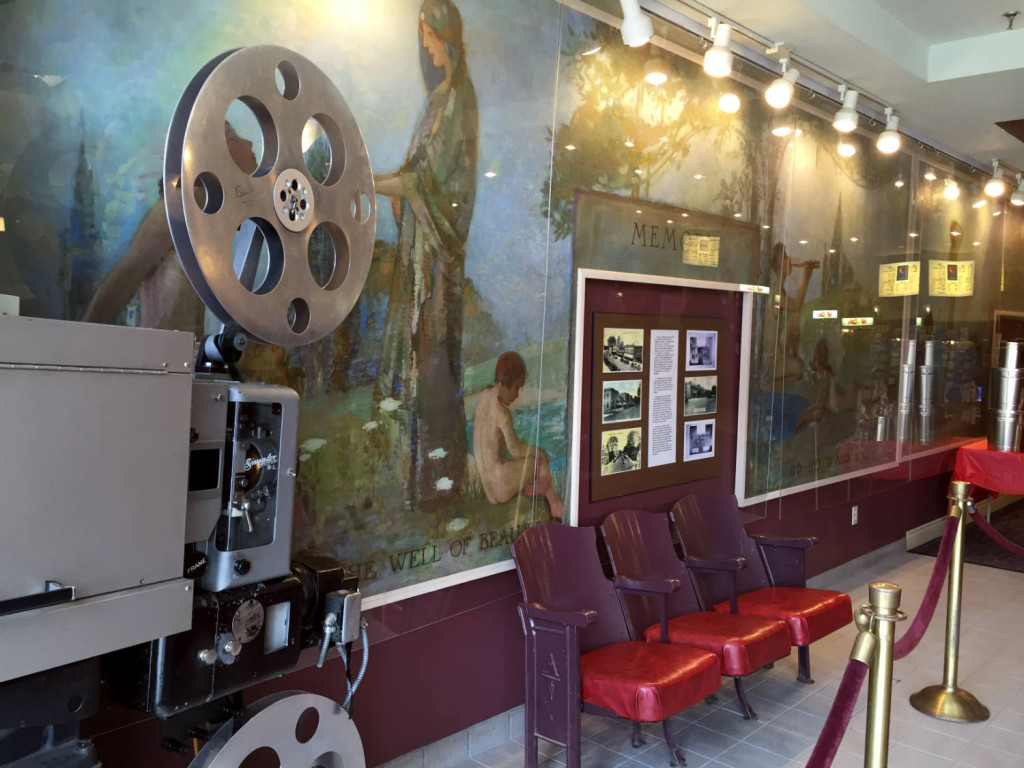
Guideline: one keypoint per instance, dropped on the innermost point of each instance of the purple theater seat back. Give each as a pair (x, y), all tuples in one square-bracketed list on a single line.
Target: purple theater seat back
[(709, 528), (640, 545), (558, 567)]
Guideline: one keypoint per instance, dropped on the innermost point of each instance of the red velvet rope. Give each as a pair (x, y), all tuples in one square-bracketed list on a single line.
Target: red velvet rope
[(996, 536), (839, 716), (917, 627)]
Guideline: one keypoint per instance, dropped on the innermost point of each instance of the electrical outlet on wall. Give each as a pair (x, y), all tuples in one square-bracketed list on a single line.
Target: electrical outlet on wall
[(853, 515)]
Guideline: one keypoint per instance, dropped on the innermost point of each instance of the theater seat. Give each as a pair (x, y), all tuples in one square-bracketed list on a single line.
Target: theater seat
[(810, 614), (579, 652), (640, 547), (766, 578)]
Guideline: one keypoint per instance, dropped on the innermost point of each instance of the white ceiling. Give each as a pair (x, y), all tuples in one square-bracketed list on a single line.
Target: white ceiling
[(950, 68)]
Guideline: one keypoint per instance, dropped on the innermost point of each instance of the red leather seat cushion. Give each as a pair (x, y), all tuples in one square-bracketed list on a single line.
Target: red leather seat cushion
[(810, 614), (648, 682), (741, 643)]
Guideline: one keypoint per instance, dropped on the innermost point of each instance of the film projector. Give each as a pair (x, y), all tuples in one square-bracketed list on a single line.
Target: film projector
[(145, 532)]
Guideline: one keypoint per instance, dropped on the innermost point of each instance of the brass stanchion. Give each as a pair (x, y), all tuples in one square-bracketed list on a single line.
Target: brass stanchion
[(947, 701), (880, 617)]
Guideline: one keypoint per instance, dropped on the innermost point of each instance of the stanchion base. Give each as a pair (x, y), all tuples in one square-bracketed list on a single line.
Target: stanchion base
[(954, 704)]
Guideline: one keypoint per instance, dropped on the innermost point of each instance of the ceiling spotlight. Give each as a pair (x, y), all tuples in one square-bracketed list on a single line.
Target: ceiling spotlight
[(930, 175), (636, 25), (889, 140), (847, 117), (654, 71), (781, 126), (780, 92), (718, 58), (1017, 198), (729, 102), (952, 191), (846, 149), (899, 181), (996, 186), (979, 202)]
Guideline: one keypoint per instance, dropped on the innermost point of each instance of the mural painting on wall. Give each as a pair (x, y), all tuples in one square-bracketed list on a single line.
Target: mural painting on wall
[(825, 222), (432, 421)]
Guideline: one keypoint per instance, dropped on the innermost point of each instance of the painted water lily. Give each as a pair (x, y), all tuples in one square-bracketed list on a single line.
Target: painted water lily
[(312, 445), (458, 524), (444, 484), (389, 404), (369, 426), (437, 453)]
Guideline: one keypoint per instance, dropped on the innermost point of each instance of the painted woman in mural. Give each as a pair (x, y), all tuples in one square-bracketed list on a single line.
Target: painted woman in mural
[(432, 196)]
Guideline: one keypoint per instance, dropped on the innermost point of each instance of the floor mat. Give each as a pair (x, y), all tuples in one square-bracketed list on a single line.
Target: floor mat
[(980, 549)]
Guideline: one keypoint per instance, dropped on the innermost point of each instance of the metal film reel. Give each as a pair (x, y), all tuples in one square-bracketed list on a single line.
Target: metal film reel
[(253, 241), (300, 730)]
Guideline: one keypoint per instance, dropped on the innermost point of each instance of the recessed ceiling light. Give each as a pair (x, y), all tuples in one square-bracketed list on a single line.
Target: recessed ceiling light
[(954, 233), (698, 176), (655, 71), (930, 175), (979, 203), (729, 103), (913, 234), (737, 215), (766, 226), (629, 143), (831, 250), (976, 243), (854, 239), (685, 215), (803, 242), (997, 213), (669, 221), (638, 171), (490, 174), (570, 147), (846, 149)]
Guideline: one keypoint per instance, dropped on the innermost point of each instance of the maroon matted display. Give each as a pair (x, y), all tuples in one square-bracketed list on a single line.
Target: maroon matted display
[(634, 416), (632, 298)]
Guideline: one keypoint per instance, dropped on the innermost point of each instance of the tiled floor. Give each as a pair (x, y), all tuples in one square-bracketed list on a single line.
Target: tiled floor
[(790, 714)]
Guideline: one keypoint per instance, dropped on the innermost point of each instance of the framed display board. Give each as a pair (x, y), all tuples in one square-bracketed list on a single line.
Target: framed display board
[(653, 402)]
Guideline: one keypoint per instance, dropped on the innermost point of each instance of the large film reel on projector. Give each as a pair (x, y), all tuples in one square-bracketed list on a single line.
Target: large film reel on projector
[(252, 243), (286, 730)]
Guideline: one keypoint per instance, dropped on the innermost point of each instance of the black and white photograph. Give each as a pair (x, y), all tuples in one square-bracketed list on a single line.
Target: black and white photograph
[(699, 440), (701, 350), (623, 350), (620, 401), (700, 395), (620, 450)]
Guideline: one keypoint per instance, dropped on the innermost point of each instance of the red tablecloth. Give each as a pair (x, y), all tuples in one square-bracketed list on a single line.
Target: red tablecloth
[(997, 471)]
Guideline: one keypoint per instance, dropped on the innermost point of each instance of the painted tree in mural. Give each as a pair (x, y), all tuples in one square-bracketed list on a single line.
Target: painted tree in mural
[(625, 134)]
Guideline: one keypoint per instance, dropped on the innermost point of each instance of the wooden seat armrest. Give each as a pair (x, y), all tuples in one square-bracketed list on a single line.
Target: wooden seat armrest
[(579, 619), (722, 564), (648, 584)]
